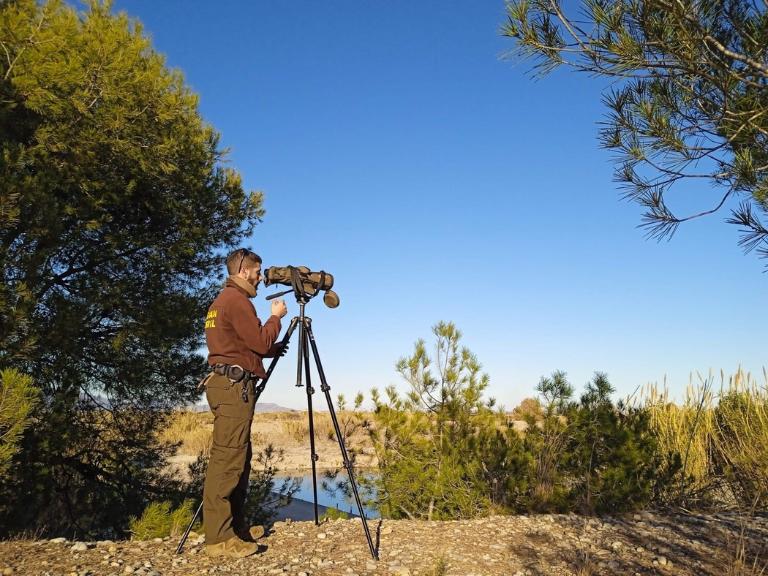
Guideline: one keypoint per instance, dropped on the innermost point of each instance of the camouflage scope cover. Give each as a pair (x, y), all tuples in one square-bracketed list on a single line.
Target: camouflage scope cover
[(311, 282)]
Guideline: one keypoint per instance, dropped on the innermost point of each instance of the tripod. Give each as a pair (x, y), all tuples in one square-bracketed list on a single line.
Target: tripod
[(307, 342)]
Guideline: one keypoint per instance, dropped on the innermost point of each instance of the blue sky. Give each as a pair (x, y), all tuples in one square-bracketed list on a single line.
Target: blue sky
[(436, 180)]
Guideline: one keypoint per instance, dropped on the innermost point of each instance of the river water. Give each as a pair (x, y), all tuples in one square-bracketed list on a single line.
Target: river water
[(327, 496)]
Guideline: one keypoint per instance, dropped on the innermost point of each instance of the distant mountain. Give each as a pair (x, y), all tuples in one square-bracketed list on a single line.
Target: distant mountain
[(270, 407), (260, 407)]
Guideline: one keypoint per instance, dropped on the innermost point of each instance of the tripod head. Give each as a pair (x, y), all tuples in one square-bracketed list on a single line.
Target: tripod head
[(304, 283)]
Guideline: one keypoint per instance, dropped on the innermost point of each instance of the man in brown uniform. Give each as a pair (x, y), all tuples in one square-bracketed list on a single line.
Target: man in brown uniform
[(237, 342)]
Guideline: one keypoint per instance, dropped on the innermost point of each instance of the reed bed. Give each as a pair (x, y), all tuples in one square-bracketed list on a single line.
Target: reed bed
[(718, 437), (683, 433)]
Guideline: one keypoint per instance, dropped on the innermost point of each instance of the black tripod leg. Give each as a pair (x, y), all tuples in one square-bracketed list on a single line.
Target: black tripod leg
[(189, 528), (347, 463), (310, 392), (273, 363)]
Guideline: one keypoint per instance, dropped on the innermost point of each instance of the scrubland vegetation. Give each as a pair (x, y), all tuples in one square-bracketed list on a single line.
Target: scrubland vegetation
[(444, 451)]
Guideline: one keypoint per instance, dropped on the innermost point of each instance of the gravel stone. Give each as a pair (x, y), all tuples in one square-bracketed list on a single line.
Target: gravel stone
[(551, 545)]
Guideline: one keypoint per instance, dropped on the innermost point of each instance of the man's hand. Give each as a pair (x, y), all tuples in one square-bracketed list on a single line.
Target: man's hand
[(278, 308)]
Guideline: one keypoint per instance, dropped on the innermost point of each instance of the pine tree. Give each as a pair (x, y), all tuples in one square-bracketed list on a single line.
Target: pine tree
[(18, 400), (687, 101), (427, 441), (114, 212)]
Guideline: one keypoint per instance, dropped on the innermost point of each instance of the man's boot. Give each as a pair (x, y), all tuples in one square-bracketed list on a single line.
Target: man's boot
[(232, 548)]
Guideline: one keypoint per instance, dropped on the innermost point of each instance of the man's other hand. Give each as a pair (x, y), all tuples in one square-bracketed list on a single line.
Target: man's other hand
[(278, 308)]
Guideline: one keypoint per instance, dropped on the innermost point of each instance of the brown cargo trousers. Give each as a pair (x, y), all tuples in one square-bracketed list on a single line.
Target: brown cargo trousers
[(229, 466)]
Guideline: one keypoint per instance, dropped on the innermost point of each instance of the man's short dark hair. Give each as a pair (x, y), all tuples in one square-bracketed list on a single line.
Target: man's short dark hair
[(241, 259)]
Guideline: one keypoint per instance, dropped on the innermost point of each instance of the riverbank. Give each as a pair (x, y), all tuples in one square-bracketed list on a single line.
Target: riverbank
[(540, 545), (286, 431)]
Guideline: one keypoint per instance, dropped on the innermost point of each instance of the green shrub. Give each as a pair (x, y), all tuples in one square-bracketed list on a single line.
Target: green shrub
[(590, 456), (612, 455), (508, 466), (427, 441), (335, 514), (159, 521)]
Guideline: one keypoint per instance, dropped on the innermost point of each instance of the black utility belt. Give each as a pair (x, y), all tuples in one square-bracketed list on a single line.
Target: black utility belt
[(234, 372)]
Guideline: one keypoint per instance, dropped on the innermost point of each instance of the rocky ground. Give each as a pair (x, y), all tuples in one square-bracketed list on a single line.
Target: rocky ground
[(543, 545)]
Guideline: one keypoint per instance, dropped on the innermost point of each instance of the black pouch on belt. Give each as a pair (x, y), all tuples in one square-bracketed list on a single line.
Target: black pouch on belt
[(234, 372)]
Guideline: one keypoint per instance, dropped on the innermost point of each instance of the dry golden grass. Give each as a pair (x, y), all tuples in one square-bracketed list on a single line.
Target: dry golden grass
[(746, 552), (583, 564), (299, 429), (685, 430), (193, 430), (713, 429), (740, 440), (742, 563)]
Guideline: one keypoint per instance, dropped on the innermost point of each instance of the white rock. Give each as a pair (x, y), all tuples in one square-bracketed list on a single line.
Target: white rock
[(79, 547), (58, 540)]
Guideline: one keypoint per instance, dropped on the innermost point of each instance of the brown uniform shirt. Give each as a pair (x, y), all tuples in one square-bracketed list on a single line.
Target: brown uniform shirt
[(235, 334)]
